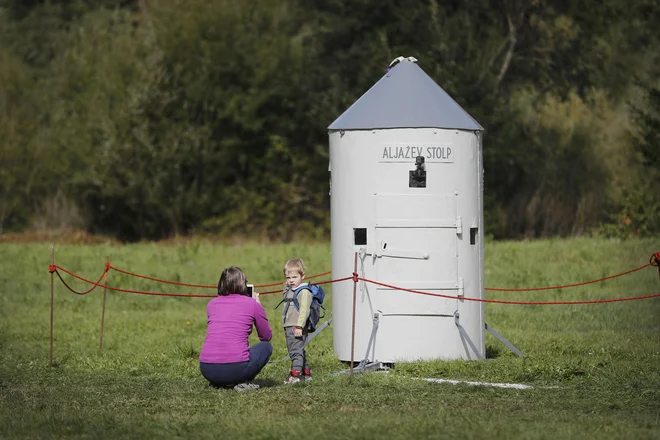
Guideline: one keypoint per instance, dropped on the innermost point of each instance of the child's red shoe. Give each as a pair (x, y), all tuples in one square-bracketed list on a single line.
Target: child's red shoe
[(294, 377)]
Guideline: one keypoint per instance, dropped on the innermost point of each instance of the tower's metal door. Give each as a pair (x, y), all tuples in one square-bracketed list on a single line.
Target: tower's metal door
[(416, 248)]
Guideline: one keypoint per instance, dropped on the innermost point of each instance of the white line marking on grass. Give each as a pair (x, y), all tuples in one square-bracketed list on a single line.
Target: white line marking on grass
[(517, 386)]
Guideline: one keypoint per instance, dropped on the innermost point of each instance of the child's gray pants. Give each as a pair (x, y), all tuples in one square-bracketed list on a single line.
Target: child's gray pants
[(296, 348)]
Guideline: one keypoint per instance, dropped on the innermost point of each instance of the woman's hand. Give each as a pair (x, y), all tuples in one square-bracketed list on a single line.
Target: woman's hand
[(255, 295), (297, 332)]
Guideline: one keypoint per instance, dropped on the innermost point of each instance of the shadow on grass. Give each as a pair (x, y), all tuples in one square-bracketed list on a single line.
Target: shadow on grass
[(263, 383), (268, 383), (493, 352)]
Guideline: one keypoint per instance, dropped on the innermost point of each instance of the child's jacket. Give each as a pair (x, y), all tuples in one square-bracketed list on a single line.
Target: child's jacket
[(292, 317)]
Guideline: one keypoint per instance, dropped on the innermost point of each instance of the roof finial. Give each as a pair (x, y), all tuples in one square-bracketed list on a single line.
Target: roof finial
[(397, 60)]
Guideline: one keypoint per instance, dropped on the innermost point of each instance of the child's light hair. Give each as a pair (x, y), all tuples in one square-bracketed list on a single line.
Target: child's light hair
[(295, 264)]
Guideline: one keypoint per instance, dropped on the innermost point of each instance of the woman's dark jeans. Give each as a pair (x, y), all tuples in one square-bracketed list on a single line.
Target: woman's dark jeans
[(225, 375)]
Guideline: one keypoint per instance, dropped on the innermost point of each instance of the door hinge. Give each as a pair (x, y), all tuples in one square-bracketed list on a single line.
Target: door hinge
[(459, 225)]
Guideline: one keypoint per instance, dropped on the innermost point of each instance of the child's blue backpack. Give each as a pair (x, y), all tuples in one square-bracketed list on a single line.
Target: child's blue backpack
[(316, 309)]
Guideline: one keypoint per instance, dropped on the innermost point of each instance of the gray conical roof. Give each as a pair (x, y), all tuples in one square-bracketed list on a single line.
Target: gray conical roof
[(405, 97)]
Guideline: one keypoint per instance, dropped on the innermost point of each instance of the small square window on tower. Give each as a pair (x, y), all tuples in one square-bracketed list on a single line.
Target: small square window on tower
[(360, 236), (474, 233)]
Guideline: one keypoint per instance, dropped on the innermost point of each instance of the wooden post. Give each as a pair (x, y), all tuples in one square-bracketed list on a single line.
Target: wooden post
[(52, 297), (105, 291), (353, 324)]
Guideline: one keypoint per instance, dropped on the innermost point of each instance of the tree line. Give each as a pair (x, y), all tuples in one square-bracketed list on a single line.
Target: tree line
[(145, 119)]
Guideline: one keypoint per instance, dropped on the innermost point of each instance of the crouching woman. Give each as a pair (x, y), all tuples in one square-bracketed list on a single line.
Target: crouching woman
[(226, 359)]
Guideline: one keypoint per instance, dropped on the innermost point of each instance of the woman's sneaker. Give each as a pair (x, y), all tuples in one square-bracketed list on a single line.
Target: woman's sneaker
[(246, 386), (307, 374), (294, 377)]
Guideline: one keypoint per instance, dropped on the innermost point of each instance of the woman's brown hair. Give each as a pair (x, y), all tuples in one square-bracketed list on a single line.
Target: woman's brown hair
[(232, 280)]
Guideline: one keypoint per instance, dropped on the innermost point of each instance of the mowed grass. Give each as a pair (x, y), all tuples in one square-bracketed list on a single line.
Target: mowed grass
[(594, 369)]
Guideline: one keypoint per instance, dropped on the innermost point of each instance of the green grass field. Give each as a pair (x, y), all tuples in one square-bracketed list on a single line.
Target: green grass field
[(594, 369)]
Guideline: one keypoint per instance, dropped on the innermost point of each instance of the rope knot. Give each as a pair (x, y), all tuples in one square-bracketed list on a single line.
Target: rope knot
[(107, 266), (355, 277), (52, 268), (655, 259)]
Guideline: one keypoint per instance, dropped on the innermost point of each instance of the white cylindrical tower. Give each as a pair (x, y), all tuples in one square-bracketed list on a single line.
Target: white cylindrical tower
[(407, 195)]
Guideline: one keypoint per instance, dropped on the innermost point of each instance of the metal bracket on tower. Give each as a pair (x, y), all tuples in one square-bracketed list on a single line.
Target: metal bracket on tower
[(365, 365), (504, 341), (318, 330), (464, 334)]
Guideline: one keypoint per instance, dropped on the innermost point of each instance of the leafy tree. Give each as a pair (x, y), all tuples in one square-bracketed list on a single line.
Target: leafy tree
[(638, 213), (16, 167), (647, 138)]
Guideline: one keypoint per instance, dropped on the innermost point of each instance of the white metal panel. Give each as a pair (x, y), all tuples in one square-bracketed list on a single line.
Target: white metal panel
[(438, 244), (415, 208), (398, 302), (437, 271), (419, 223), (434, 338)]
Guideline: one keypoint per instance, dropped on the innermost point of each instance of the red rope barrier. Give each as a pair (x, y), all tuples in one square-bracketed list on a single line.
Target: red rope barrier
[(654, 261), (320, 282), (140, 292), (334, 281), (54, 268), (282, 282), (270, 292), (497, 301), (159, 280), (95, 285), (529, 289), (202, 286)]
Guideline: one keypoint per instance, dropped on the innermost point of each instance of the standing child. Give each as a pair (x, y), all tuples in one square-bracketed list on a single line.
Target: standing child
[(297, 302)]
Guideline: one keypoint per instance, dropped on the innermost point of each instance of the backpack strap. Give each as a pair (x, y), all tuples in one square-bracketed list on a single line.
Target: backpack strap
[(284, 300), (279, 304), (296, 292), (293, 299)]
